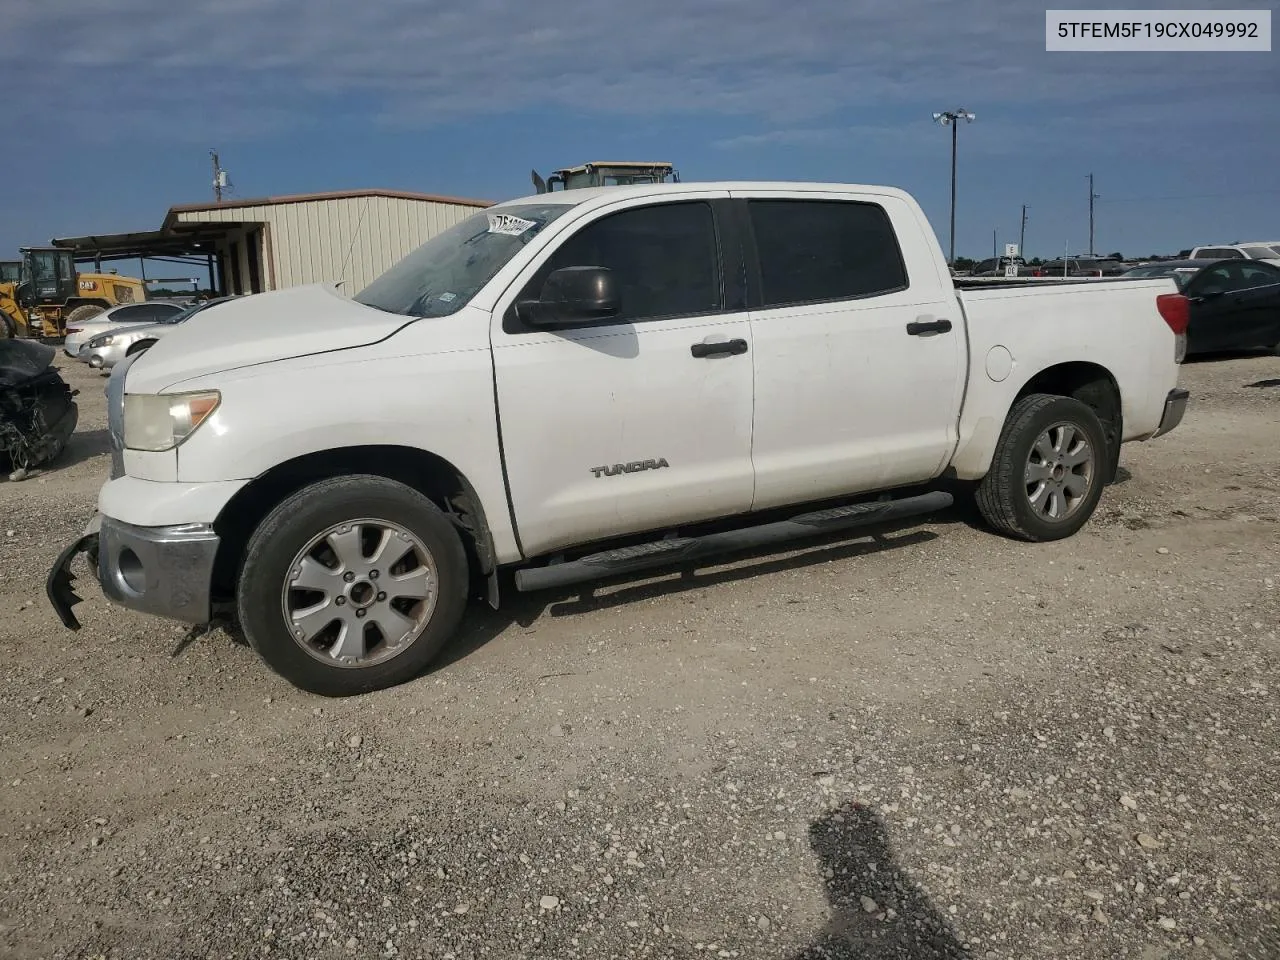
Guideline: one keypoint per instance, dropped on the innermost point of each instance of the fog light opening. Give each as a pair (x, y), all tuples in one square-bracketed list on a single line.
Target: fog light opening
[(132, 572)]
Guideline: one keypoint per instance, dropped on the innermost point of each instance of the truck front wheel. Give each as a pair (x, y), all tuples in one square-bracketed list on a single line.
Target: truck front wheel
[(352, 584), (1047, 473)]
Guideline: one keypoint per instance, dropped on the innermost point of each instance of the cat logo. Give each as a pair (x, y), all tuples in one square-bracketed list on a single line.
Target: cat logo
[(88, 285), (635, 466)]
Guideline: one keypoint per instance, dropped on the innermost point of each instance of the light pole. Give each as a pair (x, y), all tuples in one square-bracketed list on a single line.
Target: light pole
[(952, 118)]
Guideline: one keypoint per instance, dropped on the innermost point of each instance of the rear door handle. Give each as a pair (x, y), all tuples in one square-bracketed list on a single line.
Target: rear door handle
[(918, 328), (731, 348)]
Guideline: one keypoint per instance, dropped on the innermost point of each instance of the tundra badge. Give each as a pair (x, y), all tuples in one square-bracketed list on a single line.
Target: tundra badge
[(635, 466)]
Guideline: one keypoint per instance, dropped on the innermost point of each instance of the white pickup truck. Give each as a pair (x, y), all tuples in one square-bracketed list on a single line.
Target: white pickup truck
[(589, 383)]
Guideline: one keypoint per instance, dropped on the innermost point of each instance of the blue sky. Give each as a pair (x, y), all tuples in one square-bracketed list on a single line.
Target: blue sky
[(111, 118)]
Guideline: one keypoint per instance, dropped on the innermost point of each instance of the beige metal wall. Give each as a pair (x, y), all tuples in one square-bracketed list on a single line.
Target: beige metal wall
[(351, 238)]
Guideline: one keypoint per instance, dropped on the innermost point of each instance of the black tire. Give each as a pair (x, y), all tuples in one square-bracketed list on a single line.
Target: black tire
[(1002, 496), (288, 529), (82, 313)]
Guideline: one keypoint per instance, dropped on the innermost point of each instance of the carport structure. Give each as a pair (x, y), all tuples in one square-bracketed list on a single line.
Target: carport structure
[(251, 246)]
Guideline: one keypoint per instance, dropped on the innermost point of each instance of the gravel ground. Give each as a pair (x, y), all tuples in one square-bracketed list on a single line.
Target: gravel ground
[(934, 743)]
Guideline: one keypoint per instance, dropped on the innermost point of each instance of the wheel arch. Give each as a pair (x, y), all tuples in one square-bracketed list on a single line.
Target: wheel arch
[(1094, 386), (1090, 383), (432, 475), (138, 346)]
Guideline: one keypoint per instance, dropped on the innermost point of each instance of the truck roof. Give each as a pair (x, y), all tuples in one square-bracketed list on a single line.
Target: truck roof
[(584, 194)]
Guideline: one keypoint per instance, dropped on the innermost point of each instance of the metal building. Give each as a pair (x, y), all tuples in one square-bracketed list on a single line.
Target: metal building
[(251, 246)]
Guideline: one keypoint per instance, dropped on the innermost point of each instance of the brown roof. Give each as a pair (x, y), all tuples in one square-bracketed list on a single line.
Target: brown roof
[(334, 195)]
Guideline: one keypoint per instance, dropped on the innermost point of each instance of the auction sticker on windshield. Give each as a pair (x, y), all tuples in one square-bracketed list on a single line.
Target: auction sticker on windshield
[(509, 225), (1164, 31)]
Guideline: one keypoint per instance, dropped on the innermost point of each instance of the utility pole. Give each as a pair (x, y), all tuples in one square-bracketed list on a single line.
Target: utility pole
[(995, 242), (1022, 234), (1092, 197), (952, 118), (219, 177)]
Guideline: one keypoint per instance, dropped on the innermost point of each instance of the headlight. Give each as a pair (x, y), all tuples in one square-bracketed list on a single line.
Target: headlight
[(100, 342), (161, 421)]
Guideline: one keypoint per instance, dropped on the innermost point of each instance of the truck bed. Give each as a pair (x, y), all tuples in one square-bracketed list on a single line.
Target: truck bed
[(975, 283)]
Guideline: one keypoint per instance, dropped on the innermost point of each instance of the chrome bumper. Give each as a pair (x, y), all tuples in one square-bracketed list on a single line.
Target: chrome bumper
[(164, 571), (1175, 408)]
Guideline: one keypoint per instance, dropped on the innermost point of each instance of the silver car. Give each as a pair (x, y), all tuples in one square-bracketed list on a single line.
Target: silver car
[(121, 315), (105, 350)]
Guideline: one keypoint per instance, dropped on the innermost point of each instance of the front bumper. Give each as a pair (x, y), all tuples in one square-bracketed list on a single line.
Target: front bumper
[(164, 571), (1175, 408)]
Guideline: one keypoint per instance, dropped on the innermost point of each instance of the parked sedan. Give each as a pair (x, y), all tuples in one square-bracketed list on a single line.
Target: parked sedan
[(1235, 305), (107, 349), (1081, 267), (1180, 270), (124, 314)]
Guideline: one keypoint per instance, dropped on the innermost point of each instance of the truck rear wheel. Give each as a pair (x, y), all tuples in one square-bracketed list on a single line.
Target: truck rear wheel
[(352, 584), (1047, 473)]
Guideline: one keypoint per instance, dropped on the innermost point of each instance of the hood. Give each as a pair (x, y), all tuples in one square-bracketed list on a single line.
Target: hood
[(279, 325), (23, 360)]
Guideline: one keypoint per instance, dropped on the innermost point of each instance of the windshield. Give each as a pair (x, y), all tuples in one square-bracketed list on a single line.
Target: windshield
[(42, 266), (442, 275)]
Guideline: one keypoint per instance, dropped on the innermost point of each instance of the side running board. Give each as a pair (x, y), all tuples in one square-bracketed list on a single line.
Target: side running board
[(645, 556)]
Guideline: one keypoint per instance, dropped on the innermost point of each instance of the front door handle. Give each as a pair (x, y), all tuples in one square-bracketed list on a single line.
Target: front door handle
[(918, 328), (730, 348)]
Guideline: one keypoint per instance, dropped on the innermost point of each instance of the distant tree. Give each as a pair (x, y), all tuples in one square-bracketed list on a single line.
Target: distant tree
[(1117, 256), (1035, 262), (964, 263)]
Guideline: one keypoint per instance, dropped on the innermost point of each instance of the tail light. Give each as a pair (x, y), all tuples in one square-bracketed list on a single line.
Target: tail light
[(73, 329), (1176, 310)]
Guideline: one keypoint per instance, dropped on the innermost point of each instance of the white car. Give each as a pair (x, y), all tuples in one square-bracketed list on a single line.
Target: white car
[(1272, 245), (596, 382), (149, 311), (1237, 251)]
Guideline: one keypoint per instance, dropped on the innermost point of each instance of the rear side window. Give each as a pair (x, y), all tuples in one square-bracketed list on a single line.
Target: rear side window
[(1220, 253), (811, 251)]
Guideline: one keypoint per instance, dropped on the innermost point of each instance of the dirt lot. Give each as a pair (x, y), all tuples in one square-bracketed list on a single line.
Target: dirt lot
[(941, 744)]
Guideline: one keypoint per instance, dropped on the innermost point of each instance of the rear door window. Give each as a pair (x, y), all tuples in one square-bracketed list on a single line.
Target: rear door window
[(816, 251)]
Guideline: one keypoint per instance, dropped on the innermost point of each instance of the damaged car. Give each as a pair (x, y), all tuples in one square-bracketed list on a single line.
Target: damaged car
[(38, 412)]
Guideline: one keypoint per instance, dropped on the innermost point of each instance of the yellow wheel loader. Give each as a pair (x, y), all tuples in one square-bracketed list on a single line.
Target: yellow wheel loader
[(41, 293)]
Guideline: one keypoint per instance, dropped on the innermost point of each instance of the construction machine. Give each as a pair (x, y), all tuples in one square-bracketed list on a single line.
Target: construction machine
[(606, 173), (48, 293)]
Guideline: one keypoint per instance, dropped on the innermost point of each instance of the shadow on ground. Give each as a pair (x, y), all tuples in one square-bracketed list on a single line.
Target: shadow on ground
[(83, 445), (877, 912), (483, 624)]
